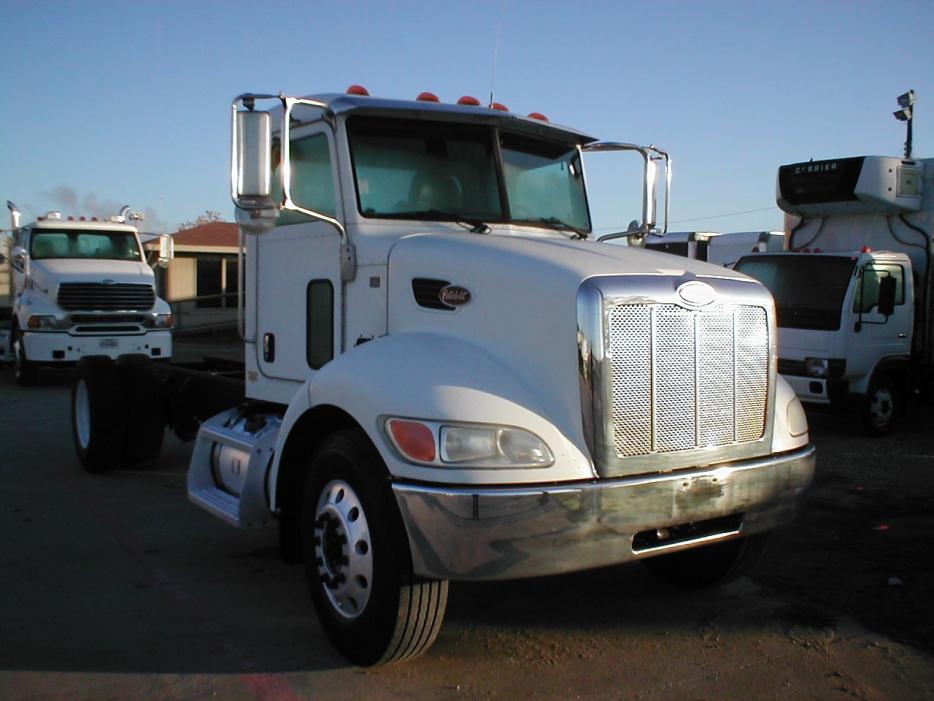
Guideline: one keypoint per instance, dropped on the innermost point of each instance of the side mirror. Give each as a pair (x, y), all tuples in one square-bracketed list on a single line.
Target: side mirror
[(166, 250), (19, 258), (251, 171), (887, 295)]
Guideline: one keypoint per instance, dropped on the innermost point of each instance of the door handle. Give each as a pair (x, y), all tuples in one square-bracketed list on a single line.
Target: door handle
[(903, 335)]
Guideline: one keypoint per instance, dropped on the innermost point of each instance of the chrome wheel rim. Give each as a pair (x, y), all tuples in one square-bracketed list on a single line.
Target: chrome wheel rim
[(343, 551), (881, 407), (82, 414)]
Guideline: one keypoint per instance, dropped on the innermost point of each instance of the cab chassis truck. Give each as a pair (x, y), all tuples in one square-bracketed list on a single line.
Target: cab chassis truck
[(447, 378)]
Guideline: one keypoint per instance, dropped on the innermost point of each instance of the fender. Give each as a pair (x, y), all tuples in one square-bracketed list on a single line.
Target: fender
[(431, 376), (896, 366)]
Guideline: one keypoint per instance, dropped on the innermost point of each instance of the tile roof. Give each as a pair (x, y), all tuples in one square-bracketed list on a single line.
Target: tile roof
[(213, 234)]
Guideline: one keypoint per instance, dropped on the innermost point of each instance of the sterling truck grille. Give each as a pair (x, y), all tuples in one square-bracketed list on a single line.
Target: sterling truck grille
[(685, 379), (95, 296)]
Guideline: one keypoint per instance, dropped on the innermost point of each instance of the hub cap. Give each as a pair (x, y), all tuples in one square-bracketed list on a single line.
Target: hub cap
[(343, 551), (881, 407)]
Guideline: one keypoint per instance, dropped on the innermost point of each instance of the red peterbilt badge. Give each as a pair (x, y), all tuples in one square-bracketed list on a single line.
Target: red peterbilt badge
[(454, 295)]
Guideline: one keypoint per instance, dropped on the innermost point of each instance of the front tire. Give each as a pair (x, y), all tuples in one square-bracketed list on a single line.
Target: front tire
[(372, 607), (24, 370), (709, 565), (882, 406)]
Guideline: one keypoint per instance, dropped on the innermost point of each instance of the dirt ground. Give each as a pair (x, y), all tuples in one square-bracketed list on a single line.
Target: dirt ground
[(864, 544), (114, 587)]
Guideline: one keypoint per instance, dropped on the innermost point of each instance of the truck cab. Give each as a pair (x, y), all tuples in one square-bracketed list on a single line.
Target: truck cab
[(82, 287), (448, 378), (853, 293)]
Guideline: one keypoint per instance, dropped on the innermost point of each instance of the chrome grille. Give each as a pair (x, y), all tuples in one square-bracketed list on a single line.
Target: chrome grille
[(684, 379), (96, 296)]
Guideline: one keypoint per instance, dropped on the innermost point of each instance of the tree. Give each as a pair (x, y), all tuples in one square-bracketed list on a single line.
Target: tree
[(209, 216)]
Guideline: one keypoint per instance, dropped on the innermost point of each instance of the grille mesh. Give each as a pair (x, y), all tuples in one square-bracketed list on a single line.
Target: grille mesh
[(95, 296), (685, 379)]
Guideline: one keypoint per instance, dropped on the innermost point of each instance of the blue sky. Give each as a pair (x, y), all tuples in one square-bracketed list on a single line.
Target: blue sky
[(108, 103)]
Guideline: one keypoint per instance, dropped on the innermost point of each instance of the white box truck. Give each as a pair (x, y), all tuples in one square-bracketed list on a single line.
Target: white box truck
[(81, 287), (446, 378), (853, 293)]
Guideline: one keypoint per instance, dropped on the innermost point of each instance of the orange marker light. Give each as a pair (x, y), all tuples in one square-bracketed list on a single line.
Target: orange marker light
[(539, 116), (499, 106), (427, 97), (358, 90), (468, 100), (415, 440)]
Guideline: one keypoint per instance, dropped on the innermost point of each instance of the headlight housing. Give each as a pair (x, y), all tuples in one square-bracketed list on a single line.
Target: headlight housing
[(42, 322), (824, 368), (160, 321), (467, 445)]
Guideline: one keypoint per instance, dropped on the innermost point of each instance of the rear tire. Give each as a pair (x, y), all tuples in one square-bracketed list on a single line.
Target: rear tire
[(98, 415), (709, 565), (145, 420), (372, 607)]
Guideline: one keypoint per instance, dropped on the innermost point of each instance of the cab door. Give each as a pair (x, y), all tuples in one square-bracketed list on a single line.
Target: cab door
[(875, 335), (298, 263)]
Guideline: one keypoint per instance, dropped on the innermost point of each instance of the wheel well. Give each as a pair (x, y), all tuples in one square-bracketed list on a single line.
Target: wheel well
[(306, 433)]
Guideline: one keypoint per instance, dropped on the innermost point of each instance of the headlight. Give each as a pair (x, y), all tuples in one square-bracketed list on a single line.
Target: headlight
[(816, 367), (467, 445), (825, 367), (40, 322), (160, 321)]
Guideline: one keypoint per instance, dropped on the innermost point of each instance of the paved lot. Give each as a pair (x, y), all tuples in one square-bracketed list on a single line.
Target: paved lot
[(115, 587)]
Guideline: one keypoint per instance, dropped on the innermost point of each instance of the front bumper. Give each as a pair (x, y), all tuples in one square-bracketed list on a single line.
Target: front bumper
[(61, 347), (510, 533)]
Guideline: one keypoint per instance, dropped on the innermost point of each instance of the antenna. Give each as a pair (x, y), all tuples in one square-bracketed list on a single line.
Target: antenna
[(499, 33)]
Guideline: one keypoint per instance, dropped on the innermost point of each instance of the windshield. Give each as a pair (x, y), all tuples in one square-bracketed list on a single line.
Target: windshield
[(449, 171), (808, 290), (106, 245)]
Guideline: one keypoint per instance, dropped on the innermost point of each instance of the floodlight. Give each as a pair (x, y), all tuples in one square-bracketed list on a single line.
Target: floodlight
[(907, 99)]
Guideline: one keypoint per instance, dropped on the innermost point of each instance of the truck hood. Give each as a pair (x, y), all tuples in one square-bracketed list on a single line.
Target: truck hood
[(49, 274), (797, 344), (522, 304)]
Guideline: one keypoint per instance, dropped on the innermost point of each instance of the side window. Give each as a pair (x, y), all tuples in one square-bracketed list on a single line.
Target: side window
[(319, 325), (312, 179), (867, 294)]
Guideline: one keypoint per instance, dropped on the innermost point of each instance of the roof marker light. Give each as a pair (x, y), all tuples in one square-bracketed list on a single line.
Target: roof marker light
[(539, 116), (865, 249), (469, 100), (499, 106), (358, 90), (427, 97)]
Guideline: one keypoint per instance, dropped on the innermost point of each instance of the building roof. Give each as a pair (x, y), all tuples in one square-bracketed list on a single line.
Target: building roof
[(218, 233)]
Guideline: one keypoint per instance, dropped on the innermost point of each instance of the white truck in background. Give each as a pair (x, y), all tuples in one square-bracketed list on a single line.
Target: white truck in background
[(715, 247), (446, 379), (81, 287), (854, 291)]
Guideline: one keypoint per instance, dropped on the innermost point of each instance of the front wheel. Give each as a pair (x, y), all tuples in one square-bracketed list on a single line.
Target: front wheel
[(98, 414), (372, 607), (24, 370), (882, 405), (708, 565)]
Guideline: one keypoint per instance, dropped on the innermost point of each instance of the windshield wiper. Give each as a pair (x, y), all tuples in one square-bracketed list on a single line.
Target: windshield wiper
[(555, 223), (474, 226)]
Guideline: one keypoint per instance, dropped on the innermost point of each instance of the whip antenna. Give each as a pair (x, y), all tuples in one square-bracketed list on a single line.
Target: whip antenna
[(499, 33)]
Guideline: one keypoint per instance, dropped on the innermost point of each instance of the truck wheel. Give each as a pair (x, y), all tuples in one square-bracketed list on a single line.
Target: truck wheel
[(882, 405), (24, 370), (98, 416), (709, 565), (372, 607), (145, 419)]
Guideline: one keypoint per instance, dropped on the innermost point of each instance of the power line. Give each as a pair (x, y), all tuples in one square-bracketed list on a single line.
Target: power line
[(726, 214)]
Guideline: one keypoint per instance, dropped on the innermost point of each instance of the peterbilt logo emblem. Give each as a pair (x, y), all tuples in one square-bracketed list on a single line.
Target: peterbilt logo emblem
[(696, 293), (454, 295)]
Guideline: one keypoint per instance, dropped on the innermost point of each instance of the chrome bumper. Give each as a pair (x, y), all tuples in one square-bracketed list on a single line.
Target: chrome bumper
[(472, 533)]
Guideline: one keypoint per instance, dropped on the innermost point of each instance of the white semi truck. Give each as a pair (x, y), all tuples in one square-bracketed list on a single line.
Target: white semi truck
[(447, 379), (853, 293), (81, 287)]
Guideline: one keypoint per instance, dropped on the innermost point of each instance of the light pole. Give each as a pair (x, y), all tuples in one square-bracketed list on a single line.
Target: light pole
[(905, 114)]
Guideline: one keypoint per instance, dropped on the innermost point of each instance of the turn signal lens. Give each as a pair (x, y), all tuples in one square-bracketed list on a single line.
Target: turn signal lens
[(413, 439)]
